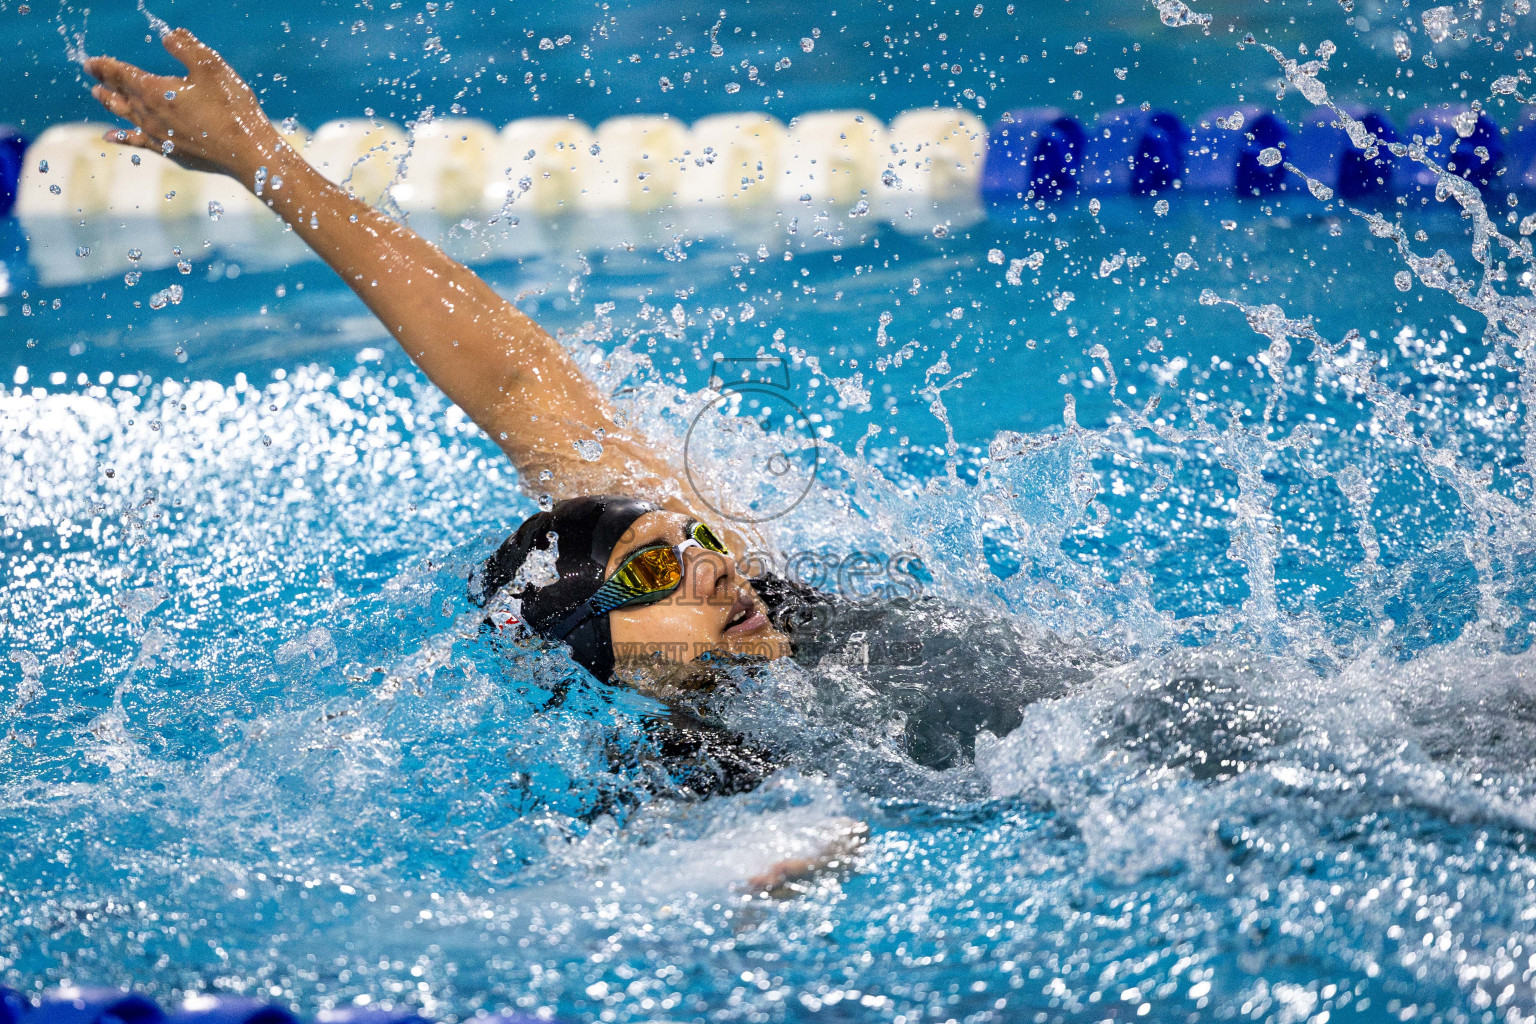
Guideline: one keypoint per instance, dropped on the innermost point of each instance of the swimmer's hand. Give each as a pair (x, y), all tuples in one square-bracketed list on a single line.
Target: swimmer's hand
[(841, 840), (209, 120)]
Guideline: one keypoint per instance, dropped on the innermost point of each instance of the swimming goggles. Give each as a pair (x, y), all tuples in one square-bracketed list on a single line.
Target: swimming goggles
[(645, 576)]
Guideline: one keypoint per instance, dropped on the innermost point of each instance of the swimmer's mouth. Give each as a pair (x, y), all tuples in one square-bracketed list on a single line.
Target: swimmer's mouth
[(744, 617)]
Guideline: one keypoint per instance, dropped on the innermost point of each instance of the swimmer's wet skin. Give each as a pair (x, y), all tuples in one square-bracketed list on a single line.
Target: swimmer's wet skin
[(518, 385)]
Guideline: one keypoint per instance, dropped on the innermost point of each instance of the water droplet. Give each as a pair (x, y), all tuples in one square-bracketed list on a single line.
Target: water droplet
[(135, 255), (1079, 49), (807, 44), (589, 450), (1269, 156), (1093, 207), (170, 94), (995, 256), (732, 88), (1437, 25), (1403, 279), (266, 441), (215, 210), (888, 178), (83, 251), (131, 278), (1176, 14), (184, 266), (55, 190), (134, 159), (165, 147), (1160, 207), (42, 167), (859, 209), (941, 231)]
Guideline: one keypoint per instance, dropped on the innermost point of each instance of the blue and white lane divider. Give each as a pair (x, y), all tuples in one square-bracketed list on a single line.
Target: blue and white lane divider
[(116, 1006), (461, 167)]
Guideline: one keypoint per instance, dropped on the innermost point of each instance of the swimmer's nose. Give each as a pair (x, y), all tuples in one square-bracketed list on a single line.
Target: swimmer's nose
[(707, 568)]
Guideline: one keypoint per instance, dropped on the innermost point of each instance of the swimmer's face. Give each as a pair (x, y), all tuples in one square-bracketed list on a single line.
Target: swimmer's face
[(714, 609)]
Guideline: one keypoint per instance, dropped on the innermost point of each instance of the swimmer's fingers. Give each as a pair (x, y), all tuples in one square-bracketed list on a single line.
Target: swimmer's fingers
[(115, 102), (135, 138), (126, 109), (193, 53), (124, 78)]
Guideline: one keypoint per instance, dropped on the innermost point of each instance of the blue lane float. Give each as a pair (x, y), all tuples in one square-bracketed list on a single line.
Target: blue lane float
[(12, 1006), (1320, 147), (1520, 155), (1136, 152), (229, 1010), (118, 1006), (1477, 155), (1033, 154), (13, 151), (94, 1006), (1226, 150)]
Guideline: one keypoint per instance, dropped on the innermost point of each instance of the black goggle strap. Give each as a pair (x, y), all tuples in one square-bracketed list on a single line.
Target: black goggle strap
[(617, 593)]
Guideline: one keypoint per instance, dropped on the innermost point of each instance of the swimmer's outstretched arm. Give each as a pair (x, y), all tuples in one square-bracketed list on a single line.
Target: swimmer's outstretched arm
[(514, 380)]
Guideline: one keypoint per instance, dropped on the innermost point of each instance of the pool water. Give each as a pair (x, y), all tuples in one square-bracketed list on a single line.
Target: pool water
[(255, 744)]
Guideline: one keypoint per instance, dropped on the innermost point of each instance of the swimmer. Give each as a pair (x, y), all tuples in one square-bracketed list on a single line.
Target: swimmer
[(646, 591), (641, 567)]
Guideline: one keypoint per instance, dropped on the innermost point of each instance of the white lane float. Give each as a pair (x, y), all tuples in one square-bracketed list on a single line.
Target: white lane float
[(360, 153), (834, 156), (936, 153), (446, 168), (734, 159), (77, 181), (639, 164), (545, 163)]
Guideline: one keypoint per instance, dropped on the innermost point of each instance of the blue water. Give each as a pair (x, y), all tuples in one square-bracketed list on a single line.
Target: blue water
[(253, 744)]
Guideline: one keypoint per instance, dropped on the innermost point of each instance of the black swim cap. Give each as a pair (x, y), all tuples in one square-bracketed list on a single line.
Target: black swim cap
[(586, 530)]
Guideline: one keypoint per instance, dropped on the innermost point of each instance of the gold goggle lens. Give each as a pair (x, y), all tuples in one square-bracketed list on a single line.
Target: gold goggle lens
[(651, 570), (705, 536)]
